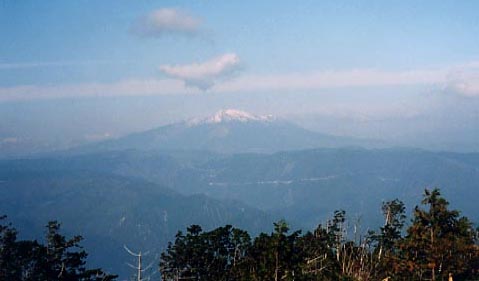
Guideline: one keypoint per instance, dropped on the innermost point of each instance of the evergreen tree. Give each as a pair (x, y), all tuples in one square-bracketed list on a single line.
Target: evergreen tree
[(60, 259), (385, 256), (319, 259), (216, 255), (9, 267), (277, 256), (438, 243)]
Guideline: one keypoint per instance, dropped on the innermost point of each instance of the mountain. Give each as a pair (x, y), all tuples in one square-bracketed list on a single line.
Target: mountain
[(227, 131), (307, 186), (304, 187), (110, 211), (233, 167)]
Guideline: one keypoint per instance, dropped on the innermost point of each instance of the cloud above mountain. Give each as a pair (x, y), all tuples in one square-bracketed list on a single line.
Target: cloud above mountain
[(216, 75), (466, 88), (166, 21), (205, 74), (334, 79), (465, 81), (131, 87)]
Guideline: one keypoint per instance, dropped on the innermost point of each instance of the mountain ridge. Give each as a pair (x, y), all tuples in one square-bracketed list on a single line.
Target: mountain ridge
[(110, 210), (230, 115), (228, 131)]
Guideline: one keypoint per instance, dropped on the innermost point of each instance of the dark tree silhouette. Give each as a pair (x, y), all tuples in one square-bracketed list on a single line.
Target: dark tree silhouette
[(60, 259)]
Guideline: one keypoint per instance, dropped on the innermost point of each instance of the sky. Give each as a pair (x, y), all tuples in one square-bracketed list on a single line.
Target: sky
[(76, 71)]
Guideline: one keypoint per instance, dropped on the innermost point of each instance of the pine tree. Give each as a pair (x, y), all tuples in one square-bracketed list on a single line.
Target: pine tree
[(385, 256), (216, 255), (60, 259), (438, 242)]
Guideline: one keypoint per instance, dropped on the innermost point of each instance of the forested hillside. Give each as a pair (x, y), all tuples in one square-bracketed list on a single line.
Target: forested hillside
[(112, 211), (301, 186)]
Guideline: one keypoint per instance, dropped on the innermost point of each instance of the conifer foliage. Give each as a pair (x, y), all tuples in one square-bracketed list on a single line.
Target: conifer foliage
[(59, 259), (437, 244)]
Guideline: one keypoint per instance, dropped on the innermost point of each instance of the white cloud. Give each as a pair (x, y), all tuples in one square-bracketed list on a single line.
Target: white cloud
[(464, 81), (465, 88), (166, 21), (191, 79), (333, 79), (120, 88), (460, 79), (204, 75)]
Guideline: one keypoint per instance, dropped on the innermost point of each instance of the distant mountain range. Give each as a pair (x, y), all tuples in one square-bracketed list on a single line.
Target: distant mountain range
[(302, 186), (228, 131)]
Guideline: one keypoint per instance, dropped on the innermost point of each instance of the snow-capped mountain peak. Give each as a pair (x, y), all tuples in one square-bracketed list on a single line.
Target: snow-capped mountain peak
[(236, 115), (231, 115)]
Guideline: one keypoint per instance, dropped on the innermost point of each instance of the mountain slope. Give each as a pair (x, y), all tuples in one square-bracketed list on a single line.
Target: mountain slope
[(111, 211), (303, 186), (228, 131), (308, 185)]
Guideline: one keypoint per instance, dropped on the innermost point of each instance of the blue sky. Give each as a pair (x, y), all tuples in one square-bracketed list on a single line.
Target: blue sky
[(92, 39), (364, 60)]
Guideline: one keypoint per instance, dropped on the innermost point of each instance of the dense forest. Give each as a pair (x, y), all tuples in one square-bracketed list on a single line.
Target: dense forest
[(437, 244)]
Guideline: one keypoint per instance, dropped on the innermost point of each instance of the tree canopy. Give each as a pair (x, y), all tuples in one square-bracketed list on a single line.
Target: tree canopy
[(58, 259), (437, 243)]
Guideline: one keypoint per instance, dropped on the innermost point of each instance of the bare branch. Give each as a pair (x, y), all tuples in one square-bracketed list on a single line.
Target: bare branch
[(130, 252)]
